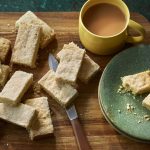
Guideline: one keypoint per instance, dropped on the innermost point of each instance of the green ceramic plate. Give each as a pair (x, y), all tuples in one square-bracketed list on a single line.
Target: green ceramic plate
[(114, 105)]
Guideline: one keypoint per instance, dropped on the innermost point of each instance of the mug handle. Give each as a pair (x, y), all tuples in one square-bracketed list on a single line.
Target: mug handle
[(139, 28)]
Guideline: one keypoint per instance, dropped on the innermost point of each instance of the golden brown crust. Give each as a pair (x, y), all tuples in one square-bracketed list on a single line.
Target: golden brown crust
[(88, 69), (5, 45), (5, 70)]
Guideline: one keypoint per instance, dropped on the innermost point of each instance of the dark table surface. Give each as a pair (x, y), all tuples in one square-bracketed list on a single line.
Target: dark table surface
[(141, 6)]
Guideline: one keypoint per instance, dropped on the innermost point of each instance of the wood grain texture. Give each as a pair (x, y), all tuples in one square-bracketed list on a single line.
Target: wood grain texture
[(100, 134)]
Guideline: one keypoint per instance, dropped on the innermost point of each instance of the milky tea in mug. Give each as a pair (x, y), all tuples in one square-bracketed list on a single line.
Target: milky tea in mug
[(103, 26), (104, 19)]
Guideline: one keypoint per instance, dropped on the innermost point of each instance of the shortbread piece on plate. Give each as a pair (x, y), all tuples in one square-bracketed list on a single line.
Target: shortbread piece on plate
[(5, 45), (43, 125), (63, 93), (21, 115), (71, 58), (137, 83), (146, 102), (16, 87), (5, 70), (26, 45), (47, 34)]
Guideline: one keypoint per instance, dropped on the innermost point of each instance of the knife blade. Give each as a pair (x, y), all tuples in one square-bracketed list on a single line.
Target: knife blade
[(72, 113), (53, 63)]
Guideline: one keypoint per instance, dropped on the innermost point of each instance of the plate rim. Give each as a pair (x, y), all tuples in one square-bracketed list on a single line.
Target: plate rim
[(101, 106)]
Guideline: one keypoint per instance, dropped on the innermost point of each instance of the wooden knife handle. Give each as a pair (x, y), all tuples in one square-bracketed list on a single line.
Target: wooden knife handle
[(80, 136)]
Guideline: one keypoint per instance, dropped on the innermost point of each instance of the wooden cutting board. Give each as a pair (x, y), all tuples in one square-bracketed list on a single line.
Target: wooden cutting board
[(100, 134)]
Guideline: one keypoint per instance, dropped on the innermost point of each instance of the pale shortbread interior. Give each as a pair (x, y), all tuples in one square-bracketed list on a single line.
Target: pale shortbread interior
[(16, 87), (43, 125), (146, 102), (138, 83), (26, 45), (21, 115), (63, 93), (88, 68), (71, 58)]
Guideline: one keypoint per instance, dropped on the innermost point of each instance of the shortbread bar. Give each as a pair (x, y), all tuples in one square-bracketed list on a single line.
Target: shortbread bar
[(16, 87), (63, 93), (88, 69), (5, 70), (137, 83), (43, 126), (146, 102), (71, 57), (5, 45), (21, 115), (26, 45), (47, 32)]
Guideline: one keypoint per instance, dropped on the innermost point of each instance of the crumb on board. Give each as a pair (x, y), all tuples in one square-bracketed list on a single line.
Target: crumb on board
[(139, 121), (135, 113), (36, 89)]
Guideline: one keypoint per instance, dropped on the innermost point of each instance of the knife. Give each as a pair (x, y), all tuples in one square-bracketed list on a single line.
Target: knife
[(72, 114)]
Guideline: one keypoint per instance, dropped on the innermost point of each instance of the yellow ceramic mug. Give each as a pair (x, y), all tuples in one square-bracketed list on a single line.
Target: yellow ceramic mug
[(104, 45)]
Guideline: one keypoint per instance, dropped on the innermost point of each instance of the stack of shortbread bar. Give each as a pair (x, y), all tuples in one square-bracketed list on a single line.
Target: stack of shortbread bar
[(74, 63), (34, 114)]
